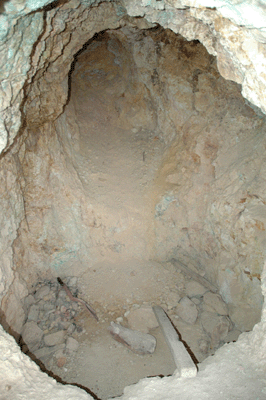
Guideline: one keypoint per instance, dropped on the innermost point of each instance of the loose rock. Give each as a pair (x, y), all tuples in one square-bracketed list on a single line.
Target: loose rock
[(29, 300), (52, 339), (142, 319), (33, 314), (172, 300), (72, 344), (138, 342), (43, 291), (32, 335), (194, 288), (187, 310), (215, 303), (61, 362), (45, 352), (216, 325)]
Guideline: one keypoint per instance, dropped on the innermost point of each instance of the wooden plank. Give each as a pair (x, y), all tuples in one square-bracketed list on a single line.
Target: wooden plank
[(183, 361)]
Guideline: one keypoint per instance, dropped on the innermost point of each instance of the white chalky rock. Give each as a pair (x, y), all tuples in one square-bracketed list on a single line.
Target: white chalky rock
[(187, 310), (138, 342)]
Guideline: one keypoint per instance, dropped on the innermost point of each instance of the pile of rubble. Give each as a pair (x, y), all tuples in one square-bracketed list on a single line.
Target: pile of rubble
[(52, 331), (51, 322)]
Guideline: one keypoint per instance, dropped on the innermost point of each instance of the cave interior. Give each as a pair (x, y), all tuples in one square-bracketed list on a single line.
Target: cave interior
[(143, 186)]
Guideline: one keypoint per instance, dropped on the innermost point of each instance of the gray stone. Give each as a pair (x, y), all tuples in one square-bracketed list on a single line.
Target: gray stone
[(41, 292), (138, 342), (48, 307), (194, 288), (142, 319), (29, 300), (204, 346), (32, 335), (33, 314), (45, 352), (216, 326), (72, 344), (52, 339), (196, 301), (72, 281), (71, 329), (232, 336), (172, 300), (215, 303), (187, 310), (244, 317)]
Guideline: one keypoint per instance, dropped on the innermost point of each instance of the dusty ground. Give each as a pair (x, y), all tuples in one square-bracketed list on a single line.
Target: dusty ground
[(100, 363), (106, 366)]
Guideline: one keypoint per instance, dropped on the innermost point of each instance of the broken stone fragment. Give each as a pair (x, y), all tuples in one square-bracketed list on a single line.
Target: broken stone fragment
[(43, 291), (29, 300), (215, 303), (172, 300), (45, 352), (32, 335), (72, 344), (138, 342), (216, 326), (244, 317), (142, 319), (194, 288), (53, 339), (61, 362), (33, 314), (187, 310)]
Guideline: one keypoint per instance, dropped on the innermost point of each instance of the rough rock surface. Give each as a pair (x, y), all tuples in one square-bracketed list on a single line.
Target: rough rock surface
[(139, 342), (215, 302), (238, 60), (223, 235), (142, 319), (187, 310), (145, 173)]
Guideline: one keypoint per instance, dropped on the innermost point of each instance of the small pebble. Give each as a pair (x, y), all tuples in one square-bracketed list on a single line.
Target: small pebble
[(61, 362)]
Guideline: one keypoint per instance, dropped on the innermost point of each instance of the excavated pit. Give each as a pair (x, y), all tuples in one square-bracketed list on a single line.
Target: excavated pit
[(155, 157)]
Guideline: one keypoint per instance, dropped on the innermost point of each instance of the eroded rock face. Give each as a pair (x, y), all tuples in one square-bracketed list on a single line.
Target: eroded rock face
[(233, 32), (145, 163), (208, 202)]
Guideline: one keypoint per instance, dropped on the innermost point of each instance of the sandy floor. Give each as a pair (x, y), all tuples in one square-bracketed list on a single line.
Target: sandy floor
[(106, 366), (102, 364)]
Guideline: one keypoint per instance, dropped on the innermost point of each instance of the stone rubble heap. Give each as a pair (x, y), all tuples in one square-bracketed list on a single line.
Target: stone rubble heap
[(52, 334), (50, 323)]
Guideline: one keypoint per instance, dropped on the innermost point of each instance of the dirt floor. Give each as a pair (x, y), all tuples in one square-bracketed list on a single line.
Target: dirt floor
[(106, 366)]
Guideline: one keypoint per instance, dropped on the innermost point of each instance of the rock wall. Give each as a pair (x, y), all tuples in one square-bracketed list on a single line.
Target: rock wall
[(234, 32), (35, 41), (36, 37), (241, 60), (155, 156)]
